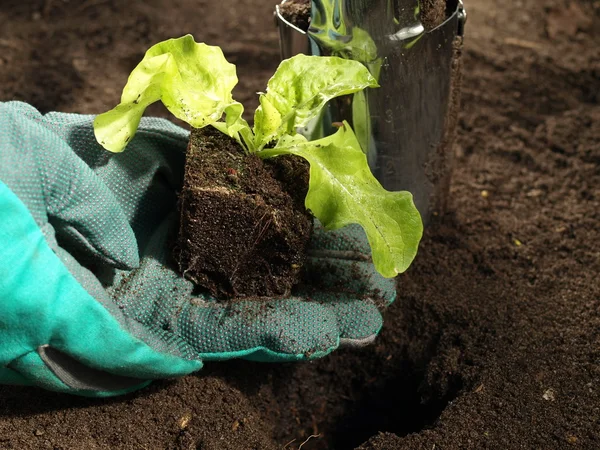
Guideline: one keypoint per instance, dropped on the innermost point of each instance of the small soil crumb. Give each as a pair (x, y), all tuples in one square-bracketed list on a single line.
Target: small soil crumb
[(433, 13), (241, 233), (296, 12)]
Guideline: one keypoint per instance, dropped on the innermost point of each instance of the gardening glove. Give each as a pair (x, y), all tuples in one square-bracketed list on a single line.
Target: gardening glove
[(60, 326), (90, 302)]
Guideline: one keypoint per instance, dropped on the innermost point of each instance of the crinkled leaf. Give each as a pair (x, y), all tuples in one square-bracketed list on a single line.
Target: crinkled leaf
[(267, 121), (300, 88), (342, 190), (236, 127), (193, 80)]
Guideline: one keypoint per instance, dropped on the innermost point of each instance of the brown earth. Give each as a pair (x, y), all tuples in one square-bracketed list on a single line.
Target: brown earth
[(494, 341), (242, 234), (297, 12)]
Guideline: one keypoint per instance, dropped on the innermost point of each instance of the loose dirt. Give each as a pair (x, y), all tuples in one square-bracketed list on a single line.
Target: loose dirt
[(297, 12), (494, 340)]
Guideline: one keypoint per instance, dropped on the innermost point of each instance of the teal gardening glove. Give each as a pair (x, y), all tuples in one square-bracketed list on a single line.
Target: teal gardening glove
[(89, 302)]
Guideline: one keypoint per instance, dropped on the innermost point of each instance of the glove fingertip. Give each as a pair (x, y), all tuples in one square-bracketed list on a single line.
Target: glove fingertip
[(118, 249), (358, 342), (129, 260), (125, 255)]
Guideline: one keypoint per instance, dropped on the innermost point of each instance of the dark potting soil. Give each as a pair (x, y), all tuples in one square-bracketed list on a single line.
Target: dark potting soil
[(241, 233), (494, 339), (296, 12), (433, 12)]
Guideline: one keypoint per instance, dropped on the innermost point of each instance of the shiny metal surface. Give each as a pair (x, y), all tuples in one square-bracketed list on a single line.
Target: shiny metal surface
[(292, 40), (400, 125)]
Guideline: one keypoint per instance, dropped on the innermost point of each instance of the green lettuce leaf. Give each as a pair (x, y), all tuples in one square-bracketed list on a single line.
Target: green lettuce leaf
[(193, 80), (342, 190), (195, 83), (300, 88), (236, 127)]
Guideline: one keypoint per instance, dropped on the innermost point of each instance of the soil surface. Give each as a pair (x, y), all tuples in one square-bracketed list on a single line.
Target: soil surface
[(494, 340), (241, 233), (433, 12), (297, 12)]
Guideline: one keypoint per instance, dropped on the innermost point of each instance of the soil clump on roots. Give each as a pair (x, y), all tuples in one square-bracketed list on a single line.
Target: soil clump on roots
[(244, 228)]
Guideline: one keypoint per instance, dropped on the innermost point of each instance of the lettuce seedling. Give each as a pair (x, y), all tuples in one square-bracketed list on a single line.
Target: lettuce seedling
[(195, 82)]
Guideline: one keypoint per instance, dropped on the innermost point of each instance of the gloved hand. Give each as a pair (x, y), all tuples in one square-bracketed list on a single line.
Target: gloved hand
[(89, 301)]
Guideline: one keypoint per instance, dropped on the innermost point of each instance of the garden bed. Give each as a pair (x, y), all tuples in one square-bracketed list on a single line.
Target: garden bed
[(494, 339)]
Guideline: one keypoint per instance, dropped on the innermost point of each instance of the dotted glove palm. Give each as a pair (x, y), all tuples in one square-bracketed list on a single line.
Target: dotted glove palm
[(90, 303)]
